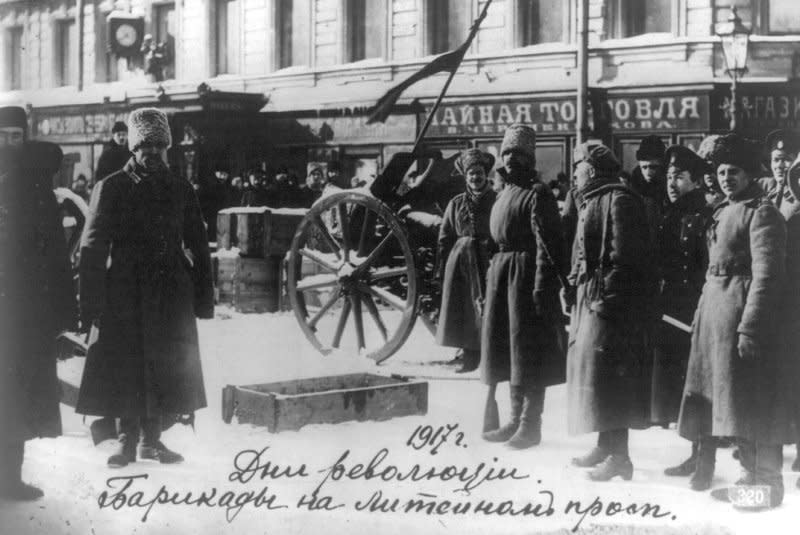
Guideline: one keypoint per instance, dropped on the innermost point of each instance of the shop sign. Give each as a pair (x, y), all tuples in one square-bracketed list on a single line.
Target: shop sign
[(625, 114), (91, 124), (767, 112)]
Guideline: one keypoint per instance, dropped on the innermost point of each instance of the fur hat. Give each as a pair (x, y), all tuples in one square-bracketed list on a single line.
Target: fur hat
[(686, 159), (148, 126), (119, 126), (736, 150), (651, 148), (471, 157), (707, 146), (783, 140), (14, 116), (519, 137), (599, 156)]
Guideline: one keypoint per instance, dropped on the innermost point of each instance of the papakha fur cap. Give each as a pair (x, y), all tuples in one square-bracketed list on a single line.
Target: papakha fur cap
[(519, 137), (651, 148), (14, 116), (148, 126), (471, 157), (734, 149)]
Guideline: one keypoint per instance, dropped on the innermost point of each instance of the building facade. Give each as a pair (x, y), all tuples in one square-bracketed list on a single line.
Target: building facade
[(287, 82)]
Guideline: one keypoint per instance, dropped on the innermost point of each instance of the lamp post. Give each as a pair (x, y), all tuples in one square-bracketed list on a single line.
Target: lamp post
[(735, 38)]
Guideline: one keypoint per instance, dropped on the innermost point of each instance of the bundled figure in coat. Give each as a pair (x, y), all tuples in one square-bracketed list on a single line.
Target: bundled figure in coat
[(144, 365), (37, 299), (522, 337), (609, 364), (682, 260), (782, 148), (648, 180), (115, 153), (465, 247), (733, 380)]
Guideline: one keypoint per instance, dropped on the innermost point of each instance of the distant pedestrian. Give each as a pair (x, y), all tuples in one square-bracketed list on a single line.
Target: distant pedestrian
[(115, 152), (144, 366)]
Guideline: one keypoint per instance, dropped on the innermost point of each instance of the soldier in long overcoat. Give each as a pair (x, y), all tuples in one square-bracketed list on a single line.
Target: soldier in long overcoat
[(681, 258), (733, 378), (37, 299), (609, 363), (145, 363), (465, 247), (522, 339)]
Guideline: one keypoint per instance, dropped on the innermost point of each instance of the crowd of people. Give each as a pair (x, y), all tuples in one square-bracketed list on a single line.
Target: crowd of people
[(678, 280)]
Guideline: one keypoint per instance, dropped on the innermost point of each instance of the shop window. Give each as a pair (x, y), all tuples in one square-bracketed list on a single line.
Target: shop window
[(228, 35), (782, 16), (164, 29), (66, 50), (292, 32), (446, 24), (637, 17), (365, 29), (542, 21), (14, 57)]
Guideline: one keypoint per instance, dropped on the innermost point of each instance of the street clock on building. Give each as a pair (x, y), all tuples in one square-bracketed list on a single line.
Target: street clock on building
[(125, 33)]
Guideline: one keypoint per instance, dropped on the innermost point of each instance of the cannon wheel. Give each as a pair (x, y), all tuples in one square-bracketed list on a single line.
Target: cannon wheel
[(362, 261)]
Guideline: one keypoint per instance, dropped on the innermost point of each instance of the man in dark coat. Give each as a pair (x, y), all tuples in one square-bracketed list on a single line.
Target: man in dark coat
[(790, 313), (609, 361), (647, 179), (465, 247), (36, 297), (735, 366), (145, 362), (522, 337), (682, 258), (115, 153)]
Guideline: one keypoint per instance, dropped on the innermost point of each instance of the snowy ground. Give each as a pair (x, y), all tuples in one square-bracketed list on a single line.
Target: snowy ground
[(246, 349)]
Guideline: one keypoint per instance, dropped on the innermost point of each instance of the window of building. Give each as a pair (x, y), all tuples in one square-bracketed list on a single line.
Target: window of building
[(446, 24), (783, 16), (66, 49), (228, 35), (164, 29), (14, 57), (293, 18), (542, 21), (364, 29), (637, 17)]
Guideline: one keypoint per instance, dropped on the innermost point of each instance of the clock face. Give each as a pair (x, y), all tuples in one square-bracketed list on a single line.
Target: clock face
[(126, 35)]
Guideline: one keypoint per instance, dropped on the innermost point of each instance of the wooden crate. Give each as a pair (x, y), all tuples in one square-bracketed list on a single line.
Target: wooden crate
[(257, 284), (290, 405), (281, 226), (252, 231), (226, 229)]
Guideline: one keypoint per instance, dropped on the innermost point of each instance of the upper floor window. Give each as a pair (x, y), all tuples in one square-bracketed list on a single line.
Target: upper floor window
[(292, 35), (164, 30), (446, 24), (542, 21), (364, 31), (228, 35), (637, 17), (66, 49), (14, 57), (782, 16)]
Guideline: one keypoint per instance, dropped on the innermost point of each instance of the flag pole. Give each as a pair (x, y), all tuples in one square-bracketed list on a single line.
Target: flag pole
[(473, 31)]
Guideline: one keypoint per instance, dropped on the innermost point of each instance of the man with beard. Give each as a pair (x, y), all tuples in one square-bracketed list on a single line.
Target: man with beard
[(735, 371), (144, 365), (682, 258), (465, 248), (522, 337), (115, 153), (36, 297), (609, 360)]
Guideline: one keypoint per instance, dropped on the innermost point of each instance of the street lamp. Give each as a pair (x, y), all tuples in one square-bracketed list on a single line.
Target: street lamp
[(735, 38)]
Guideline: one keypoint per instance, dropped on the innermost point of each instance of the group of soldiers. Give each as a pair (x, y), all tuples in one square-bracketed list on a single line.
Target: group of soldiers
[(680, 285)]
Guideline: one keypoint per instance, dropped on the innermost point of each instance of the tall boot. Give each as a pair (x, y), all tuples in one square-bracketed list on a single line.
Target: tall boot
[(796, 463), (597, 454), (529, 432), (706, 461), (618, 462), (505, 432), (11, 485), (687, 467), (152, 448), (126, 443), (769, 464), (491, 417), (747, 460), (470, 361)]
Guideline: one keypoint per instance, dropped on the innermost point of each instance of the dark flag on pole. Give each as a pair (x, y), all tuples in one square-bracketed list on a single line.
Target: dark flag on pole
[(447, 62)]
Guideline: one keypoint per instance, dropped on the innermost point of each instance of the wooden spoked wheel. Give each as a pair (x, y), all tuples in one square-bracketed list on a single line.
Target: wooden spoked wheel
[(351, 277)]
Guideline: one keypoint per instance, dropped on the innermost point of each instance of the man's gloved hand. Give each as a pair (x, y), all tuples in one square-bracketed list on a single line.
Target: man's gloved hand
[(749, 348), (568, 298)]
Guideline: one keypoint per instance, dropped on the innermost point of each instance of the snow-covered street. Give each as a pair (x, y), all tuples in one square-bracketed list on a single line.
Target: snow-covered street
[(530, 491)]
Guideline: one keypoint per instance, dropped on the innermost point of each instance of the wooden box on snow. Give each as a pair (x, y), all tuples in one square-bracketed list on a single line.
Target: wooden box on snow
[(289, 405), (258, 232), (226, 228)]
